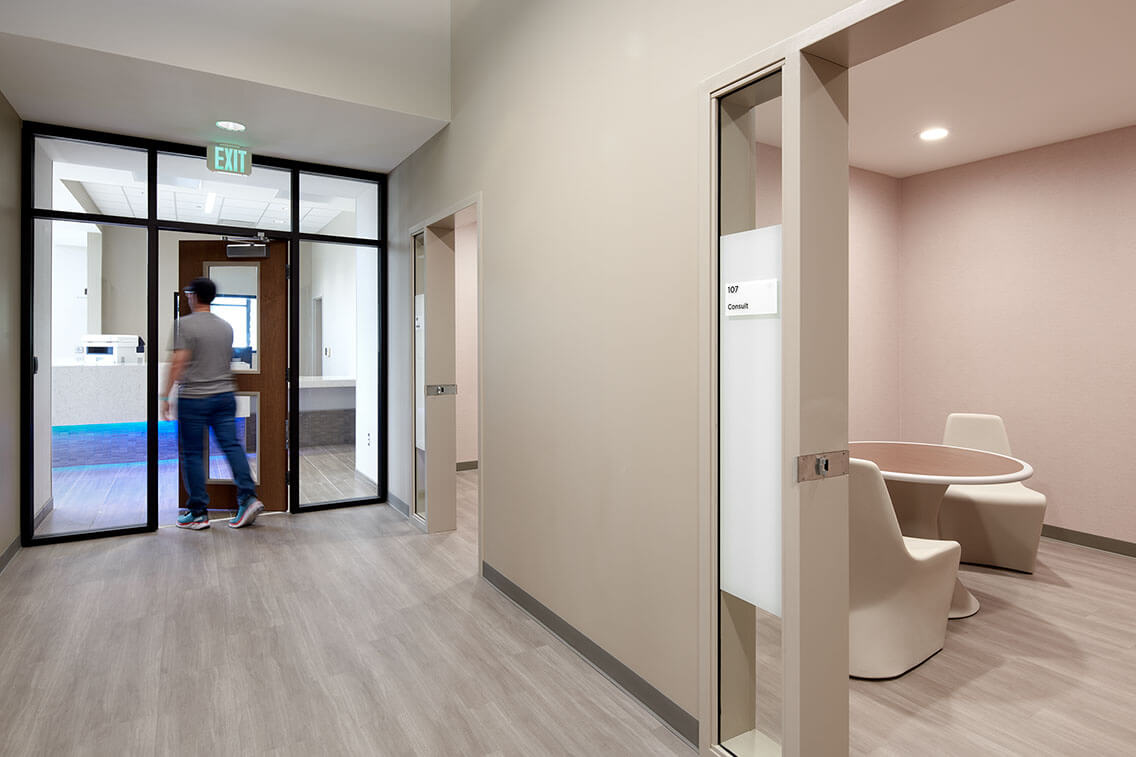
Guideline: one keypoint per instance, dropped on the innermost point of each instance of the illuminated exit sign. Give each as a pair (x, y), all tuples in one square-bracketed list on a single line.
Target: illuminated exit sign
[(229, 159)]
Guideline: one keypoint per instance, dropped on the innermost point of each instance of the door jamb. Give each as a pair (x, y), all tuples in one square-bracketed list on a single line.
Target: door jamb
[(475, 200)]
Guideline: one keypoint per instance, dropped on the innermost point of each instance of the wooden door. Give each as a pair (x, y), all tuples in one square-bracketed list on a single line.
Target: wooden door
[(259, 287)]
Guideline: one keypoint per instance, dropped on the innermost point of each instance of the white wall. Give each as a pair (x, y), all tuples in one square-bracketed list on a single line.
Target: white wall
[(465, 339), (125, 286), (95, 283), (68, 302), (9, 325), (590, 298), (367, 440), (333, 279)]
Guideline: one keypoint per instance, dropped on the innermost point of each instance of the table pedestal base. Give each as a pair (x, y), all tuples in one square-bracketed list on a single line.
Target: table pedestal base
[(917, 507), (917, 510)]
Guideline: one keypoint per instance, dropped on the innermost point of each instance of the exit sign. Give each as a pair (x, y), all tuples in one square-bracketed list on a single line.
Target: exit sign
[(229, 159)]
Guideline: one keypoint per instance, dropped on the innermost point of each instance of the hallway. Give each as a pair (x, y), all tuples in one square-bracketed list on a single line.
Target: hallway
[(337, 632)]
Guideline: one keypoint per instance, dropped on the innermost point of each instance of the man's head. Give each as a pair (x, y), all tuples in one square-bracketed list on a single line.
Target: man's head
[(201, 292)]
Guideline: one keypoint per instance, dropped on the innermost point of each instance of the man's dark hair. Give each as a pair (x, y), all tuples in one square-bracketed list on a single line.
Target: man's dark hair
[(204, 289)]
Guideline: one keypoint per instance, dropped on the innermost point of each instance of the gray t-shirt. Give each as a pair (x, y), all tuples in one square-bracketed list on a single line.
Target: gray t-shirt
[(209, 340)]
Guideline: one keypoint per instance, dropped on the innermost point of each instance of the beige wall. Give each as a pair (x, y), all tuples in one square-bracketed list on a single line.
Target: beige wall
[(9, 324), (465, 339), (561, 112), (1018, 300)]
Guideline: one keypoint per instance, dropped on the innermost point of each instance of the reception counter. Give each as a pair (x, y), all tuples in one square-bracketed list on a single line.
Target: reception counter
[(83, 395)]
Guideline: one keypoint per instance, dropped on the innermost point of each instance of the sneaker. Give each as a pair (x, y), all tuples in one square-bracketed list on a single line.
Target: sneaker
[(194, 522), (247, 513)]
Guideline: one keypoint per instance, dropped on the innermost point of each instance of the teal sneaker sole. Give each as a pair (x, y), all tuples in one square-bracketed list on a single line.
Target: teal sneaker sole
[(248, 516)]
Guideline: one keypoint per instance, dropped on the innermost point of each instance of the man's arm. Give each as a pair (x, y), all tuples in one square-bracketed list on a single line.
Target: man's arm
[(177, 367)]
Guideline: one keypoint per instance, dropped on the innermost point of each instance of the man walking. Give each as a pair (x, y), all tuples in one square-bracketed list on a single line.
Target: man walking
[(202, 346)]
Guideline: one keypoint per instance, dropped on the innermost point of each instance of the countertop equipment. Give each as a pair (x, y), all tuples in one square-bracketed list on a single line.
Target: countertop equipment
[(112, 349)]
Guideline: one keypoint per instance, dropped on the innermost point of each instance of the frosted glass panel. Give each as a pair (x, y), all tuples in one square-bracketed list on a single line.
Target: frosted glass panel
[(750, 461), (750, 385)]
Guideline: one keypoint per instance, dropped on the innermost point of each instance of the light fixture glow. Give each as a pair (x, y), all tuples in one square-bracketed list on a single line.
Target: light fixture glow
[(231, 125), (210, 199), (933, 134)]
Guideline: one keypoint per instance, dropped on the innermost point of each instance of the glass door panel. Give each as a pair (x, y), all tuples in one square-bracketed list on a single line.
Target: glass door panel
[(420, 375), (340, 446), (749, 396), (247, 423), (237, 302), (90, 413)]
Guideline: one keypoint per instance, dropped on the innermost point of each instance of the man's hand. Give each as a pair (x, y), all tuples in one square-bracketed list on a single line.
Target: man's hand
[(166, 411)]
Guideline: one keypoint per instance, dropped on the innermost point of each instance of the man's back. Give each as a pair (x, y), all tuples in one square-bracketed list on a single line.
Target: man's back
[(209, 340)]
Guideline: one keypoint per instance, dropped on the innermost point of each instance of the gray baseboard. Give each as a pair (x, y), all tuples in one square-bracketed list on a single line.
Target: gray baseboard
[(9, 553), (398, 504), (467, 465), (1104, 543), (47, 508), (677, 719)]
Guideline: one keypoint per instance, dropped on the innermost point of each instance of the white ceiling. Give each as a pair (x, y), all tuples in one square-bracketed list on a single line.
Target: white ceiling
[(1026, 74)]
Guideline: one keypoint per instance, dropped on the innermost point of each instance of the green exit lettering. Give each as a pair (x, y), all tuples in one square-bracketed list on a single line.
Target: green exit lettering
[(229, 159)]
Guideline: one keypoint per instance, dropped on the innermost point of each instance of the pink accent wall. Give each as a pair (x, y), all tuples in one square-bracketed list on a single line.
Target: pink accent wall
[(874, 306), (1018, 282), (873, 299)]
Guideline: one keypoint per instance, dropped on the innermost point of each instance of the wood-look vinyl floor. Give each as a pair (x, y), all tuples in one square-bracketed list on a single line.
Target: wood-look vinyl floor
[(342, 632), (89, 498), (1046, 667), (327, 474)]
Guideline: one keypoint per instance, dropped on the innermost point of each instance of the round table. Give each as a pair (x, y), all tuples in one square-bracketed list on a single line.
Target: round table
[(917, 476)]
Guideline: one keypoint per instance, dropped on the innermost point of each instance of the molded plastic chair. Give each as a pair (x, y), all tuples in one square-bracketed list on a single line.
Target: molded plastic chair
[(997, 524), (900, 587)]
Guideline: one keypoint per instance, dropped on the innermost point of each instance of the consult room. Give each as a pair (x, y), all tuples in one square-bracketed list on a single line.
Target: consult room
[(990, 266)]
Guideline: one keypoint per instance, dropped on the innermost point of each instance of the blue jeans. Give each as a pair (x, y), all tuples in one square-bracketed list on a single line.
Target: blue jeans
[(196, 415)]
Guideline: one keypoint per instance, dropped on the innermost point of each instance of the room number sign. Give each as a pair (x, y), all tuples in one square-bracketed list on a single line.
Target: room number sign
[(759, 297)]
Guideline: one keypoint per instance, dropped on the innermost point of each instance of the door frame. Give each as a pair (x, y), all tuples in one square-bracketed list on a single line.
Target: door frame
[(475, 201), (814, 64), (29, 214)]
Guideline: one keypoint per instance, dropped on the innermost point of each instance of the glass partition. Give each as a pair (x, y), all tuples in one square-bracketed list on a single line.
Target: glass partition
[(90, 410), (339, 207), (96, 459), (339, 304), (188, 191), (749, 396), (420, 375), (82, 177)]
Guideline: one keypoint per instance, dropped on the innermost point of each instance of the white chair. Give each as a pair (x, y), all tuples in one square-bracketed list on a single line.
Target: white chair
[(900, 587), (996, 524)]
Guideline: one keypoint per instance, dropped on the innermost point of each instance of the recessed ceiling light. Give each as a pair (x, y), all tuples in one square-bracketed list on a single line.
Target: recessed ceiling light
[(933, 134), (231, 125)]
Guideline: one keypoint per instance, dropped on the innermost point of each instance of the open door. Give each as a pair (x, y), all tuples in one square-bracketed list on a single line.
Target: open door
[(252, 295), (435, 387)]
